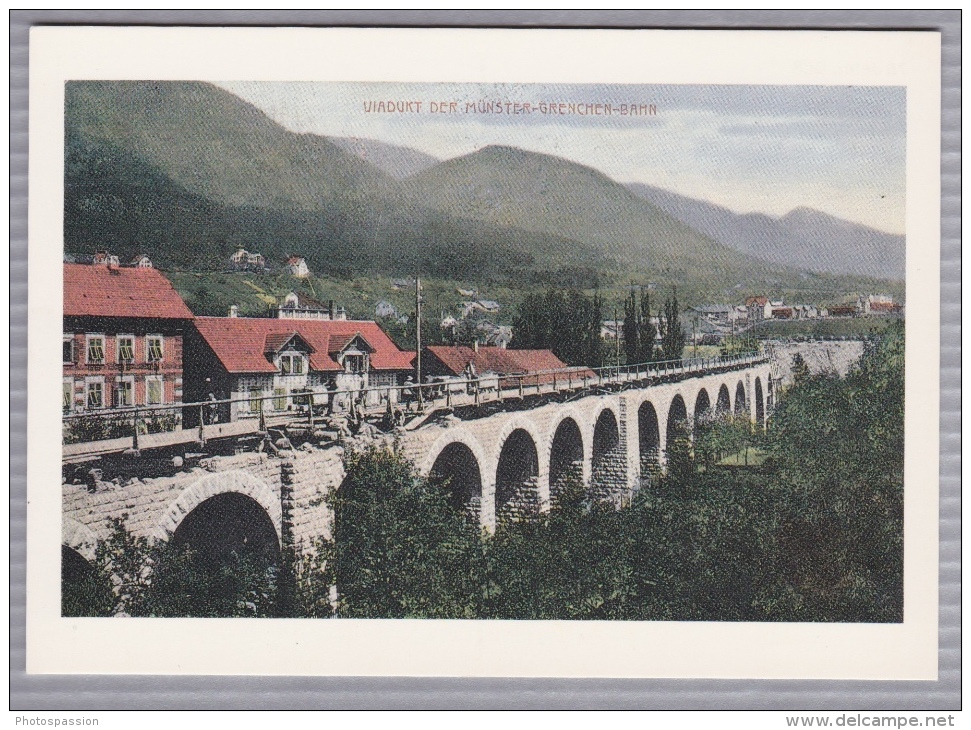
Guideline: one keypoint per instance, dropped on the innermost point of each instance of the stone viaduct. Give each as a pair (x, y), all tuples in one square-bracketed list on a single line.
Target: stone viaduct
[(497, 463)]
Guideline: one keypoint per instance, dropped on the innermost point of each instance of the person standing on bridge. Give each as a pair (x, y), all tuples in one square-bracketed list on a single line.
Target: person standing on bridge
[(408, 393), (471, 378), (331, 395)]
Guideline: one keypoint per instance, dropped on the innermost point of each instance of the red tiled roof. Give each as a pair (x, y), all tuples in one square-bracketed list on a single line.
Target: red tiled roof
[(496, 359), (275, 341), (120, 292), (240, 342), (882, 306), (760, 301)]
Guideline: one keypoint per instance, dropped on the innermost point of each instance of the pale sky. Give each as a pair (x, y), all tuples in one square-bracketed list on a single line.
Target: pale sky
[(764, 149)]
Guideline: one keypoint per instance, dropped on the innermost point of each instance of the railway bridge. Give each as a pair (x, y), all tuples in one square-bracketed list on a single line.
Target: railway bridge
[(500, 455)]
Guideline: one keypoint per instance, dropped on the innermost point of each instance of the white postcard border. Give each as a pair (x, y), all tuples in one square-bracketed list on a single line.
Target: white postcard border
[(486, 648)]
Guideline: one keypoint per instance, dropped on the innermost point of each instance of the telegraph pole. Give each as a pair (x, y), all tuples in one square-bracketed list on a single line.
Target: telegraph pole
[(617, 336), (418, 340)]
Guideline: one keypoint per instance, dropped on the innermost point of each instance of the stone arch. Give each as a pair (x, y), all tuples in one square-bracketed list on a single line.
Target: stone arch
[(73, 564), (677, 422), (460, 473), (517, 476), (759, 403), (702, 409), (566, 456), (723, 405), (79, 538), (226, 523), (608, 479), (236, 481), (739, 399), (455, 436), (649, 440)]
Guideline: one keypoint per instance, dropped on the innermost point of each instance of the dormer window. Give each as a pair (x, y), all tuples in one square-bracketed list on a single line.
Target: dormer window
[(291, 364), (354, 362)]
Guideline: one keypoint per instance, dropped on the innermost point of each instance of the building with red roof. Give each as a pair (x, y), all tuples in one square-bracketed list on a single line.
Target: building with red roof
[(123, 336), (447, 360), (247, 359)]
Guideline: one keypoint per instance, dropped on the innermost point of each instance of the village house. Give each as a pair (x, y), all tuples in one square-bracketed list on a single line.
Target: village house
[(123, 337), (843, 310), (300, 306), (876, 304), (479, 307), (494, 364), (296, 267), (279, 359), (758, 308), (384, 308), (243, 260), (142, 261)]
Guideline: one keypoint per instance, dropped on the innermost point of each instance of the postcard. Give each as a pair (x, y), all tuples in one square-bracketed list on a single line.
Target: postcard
[(484, 352)]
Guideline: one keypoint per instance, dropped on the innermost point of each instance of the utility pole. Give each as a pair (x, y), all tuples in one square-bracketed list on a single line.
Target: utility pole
[(418, 340), (617, 336)]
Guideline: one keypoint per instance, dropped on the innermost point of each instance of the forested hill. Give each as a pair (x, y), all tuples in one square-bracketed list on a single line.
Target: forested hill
[(186, 172)]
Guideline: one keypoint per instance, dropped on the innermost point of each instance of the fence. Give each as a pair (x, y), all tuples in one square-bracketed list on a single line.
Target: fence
[(161, 425)]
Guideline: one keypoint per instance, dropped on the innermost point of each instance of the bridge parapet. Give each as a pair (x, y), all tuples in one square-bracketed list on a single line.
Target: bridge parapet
[(503, 460)]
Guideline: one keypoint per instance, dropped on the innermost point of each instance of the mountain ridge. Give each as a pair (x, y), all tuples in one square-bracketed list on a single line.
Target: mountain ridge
[(804, 237)]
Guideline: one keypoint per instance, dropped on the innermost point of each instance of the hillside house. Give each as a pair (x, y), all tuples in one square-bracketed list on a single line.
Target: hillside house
[(142, 261), (278, 359), (300, 306), (384, 308), (123, 337), (479, 307), (296, 267), (104, 258), (243, 260)]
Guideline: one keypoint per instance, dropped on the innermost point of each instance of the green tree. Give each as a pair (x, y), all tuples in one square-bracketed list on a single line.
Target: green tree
[(401, 550), (800, 370), (632, 328), (672, 334), (648, 330), (565, 321)]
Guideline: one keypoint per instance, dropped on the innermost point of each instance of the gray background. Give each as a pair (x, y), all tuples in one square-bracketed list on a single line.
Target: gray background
[(61, 692)]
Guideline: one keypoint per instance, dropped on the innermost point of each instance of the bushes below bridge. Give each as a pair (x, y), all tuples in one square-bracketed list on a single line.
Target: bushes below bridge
[(814, 533)]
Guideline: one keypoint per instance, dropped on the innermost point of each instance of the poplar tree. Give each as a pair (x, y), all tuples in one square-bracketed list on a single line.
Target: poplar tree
[(672, 335), (632, 329), (647, 331)]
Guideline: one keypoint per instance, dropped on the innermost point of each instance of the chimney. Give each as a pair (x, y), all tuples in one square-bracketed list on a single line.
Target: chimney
[(234, 310), (475, 344), (331, 309)]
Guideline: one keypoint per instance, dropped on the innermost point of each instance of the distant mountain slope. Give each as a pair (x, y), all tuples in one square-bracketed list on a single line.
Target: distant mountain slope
[(804, 238), (398, 162), (511, 187), (115, 199), (216, 145)]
